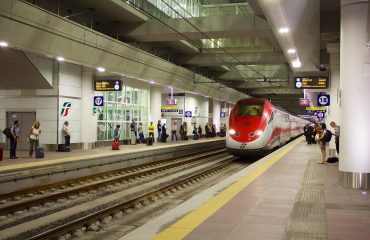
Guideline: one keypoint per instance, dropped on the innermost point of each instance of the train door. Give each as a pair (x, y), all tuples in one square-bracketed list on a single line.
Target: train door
[(26, 120)]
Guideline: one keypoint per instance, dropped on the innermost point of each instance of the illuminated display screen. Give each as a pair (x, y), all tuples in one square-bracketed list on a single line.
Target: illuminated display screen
[(108, 85), (311, 82)]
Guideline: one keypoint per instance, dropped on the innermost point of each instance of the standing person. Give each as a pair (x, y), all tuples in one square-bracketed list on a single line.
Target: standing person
[(151, 130), (14, 130), (336, 134), (310, 134), (117, 134), (185, 130), (213, 130), (200, 130), (305, 133), (133, 131), (321, 132), (159, 129), (164, 133), (67, 134), (206, 129), (174, 130), (141, 132), (34, 135)]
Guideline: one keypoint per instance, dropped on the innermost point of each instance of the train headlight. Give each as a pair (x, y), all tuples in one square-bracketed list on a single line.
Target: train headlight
[(259, 132), (231, 131)]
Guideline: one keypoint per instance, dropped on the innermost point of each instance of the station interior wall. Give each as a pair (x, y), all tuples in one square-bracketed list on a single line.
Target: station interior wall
[(72, 83)]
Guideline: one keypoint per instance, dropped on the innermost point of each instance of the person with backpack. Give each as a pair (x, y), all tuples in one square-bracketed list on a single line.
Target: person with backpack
[(324, 136), (14, 139)]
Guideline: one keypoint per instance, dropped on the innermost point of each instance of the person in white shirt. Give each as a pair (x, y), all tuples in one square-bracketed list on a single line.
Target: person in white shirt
[(67, 134), (34, 136)]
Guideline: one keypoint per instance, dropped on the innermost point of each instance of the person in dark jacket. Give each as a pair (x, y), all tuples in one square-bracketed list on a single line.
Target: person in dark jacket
[(163, 133)]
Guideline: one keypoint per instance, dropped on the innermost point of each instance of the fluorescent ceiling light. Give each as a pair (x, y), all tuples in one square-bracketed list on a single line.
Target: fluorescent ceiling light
[(296, 63), (60, 59), (283, 30), (100, 69), (3, 44), (292, 50), (151, 82)]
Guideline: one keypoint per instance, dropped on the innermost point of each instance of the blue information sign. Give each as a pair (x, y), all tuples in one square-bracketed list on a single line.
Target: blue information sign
[(323, 100), (188, 114), (98, 101), (181, 111), (222, 114)]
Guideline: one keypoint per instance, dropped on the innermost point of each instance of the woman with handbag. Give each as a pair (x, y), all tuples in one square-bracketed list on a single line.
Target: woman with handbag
[(33, 137)]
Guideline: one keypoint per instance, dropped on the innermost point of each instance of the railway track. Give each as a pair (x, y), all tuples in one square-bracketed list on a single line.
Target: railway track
[(112, 194)]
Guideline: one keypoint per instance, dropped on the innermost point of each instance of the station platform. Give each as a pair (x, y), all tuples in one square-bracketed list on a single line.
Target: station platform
[(26, 172), (285, 195)]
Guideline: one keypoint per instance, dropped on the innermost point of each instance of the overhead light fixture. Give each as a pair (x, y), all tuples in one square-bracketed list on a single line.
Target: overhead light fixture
[(296, 63), (151, 82), (283, 30), (3, 44), (292, 50), (100, 69), (60, 59)]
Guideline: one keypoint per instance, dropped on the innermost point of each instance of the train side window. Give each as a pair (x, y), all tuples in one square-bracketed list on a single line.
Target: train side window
[(272, 116)]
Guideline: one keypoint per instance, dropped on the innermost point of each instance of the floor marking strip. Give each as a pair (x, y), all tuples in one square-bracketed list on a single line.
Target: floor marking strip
[(189, 222)]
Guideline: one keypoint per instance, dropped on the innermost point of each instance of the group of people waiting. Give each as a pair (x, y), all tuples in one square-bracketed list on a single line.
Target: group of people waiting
[(137, 131), (317, 134), (33, 137)]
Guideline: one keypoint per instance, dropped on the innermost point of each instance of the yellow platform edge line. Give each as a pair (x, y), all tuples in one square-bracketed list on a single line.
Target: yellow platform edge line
[(189, 222)]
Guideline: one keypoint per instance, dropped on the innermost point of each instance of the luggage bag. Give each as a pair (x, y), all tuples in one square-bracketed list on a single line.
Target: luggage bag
[(332, 160), (115, 145), (39, 153), (149, 141)]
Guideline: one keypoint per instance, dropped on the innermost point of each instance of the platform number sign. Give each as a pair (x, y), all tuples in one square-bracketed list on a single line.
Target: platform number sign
[(323, 100), (188, 114), (98, 101), (222, 114), (320, 114)]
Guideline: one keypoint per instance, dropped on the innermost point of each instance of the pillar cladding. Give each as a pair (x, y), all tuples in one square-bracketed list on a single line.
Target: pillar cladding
[(216, 114), (354, 163), (88, 119), (334, 109), (155, 106)]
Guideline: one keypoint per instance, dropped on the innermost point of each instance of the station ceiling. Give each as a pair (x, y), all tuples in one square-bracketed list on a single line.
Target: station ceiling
[(233, 42)]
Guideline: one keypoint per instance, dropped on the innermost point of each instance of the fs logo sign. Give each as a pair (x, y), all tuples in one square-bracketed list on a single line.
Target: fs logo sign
[(65, 108)]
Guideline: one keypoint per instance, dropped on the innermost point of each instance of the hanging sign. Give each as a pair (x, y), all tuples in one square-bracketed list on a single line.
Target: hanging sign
[(311, 82), (107, 85)]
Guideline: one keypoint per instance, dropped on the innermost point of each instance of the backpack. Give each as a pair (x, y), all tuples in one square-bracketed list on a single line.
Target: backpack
[(7, 133), (328, 136)]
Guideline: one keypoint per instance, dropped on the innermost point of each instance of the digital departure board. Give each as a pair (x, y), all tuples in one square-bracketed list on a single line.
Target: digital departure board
[(108, 85), (311, 82)]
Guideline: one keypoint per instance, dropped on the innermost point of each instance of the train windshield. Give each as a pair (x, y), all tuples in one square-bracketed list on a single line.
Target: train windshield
[(252, 110)]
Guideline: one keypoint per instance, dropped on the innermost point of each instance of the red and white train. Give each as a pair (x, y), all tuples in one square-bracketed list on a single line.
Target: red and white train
[(256, 127)]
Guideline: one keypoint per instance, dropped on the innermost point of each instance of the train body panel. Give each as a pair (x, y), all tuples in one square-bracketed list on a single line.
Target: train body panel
[(256, 127)]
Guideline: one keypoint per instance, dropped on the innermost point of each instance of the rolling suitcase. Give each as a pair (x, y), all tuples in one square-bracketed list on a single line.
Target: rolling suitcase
[(115, 145), (149, 141), (39, 153), (195, 137), (332, 160)]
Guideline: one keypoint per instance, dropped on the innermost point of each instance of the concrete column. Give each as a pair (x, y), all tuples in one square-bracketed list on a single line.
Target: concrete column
[(354, 164), (155, 106), (88, 119), (334, 109), (216, 114)]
